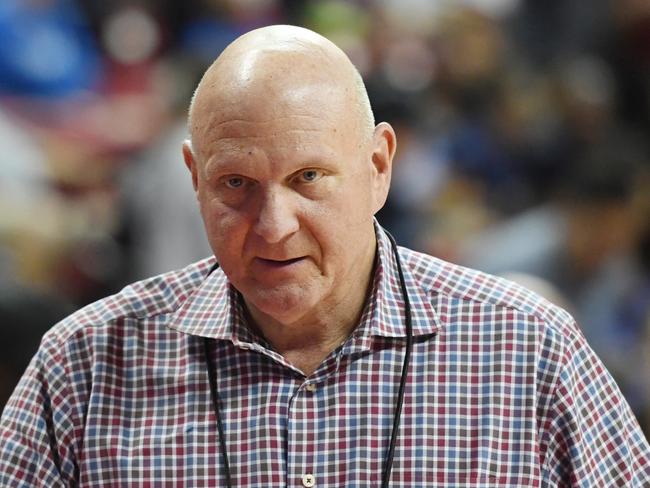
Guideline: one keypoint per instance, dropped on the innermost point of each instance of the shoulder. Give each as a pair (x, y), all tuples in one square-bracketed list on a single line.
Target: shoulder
[(464, 286), (138, 301)]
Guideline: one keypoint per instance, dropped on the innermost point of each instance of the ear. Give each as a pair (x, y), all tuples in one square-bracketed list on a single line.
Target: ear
[(190, 162), (384, 144)]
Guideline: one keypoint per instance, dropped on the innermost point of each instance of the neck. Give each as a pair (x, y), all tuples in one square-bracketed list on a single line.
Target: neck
[(307, 348)]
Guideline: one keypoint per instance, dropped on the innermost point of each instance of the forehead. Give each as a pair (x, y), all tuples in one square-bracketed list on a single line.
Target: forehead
[(289, 120), (308, 102), (282, 144), (250, 116)]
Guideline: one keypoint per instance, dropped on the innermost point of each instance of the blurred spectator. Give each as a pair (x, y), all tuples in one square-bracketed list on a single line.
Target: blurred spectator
[(161, 216), (46, 50)]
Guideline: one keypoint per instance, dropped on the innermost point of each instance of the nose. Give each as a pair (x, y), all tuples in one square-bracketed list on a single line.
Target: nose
[(277, 217)]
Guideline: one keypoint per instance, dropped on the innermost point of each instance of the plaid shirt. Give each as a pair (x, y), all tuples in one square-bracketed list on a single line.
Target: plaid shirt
[(502, 391)]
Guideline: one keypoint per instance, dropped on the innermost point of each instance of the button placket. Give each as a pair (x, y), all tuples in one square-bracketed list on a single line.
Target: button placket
[(303, 409)]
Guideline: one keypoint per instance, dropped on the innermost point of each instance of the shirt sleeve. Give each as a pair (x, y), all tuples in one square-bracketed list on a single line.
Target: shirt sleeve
[(37, 447), (590, 435)]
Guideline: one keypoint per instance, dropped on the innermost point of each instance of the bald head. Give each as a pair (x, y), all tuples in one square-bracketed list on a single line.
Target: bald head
[(270, 68)]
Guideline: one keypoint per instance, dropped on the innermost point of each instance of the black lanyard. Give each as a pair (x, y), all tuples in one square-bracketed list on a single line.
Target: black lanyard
[(388, 463)]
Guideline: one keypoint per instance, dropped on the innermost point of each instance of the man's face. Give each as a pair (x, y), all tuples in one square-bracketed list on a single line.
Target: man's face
[(287, 196)]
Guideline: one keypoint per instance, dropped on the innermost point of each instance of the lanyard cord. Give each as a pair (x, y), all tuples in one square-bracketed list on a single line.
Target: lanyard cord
[(214, 393), (388, 463)]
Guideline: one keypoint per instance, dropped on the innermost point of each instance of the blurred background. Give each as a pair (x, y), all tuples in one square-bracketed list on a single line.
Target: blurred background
[(523, 131)]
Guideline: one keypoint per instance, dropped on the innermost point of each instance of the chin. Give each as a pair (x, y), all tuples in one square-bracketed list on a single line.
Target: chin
[(285, 305)]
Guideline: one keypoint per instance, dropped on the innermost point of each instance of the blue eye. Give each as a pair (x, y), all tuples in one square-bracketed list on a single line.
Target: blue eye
[(234, 182), (311, 175)]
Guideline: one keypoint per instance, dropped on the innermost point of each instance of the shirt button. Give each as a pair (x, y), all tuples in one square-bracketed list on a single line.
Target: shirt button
[(311, 388), (308, 480)]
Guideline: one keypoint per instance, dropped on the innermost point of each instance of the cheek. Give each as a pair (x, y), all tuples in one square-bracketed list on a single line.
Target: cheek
[(225, 229), (342, 225), (352, 205)]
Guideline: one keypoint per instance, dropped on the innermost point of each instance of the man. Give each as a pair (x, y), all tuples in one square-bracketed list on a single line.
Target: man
[(314, 344)]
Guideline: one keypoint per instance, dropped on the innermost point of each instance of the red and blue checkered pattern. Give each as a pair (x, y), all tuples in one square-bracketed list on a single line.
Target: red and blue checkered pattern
[(502, 391)]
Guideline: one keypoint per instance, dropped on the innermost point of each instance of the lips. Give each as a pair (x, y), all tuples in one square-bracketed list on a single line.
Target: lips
[(279, 263), (270, 270)]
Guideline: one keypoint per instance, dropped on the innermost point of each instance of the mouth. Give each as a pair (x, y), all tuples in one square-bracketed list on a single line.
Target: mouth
[(280, 263)]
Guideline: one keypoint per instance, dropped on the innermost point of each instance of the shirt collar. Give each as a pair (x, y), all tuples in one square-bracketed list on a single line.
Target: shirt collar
[(214, 309), (385, 314)]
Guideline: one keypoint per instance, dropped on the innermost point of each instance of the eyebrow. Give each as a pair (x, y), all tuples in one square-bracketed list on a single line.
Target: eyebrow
[(232, 164)]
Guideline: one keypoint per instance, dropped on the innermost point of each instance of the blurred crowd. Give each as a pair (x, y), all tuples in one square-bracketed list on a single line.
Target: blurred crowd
[(523, 130)]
